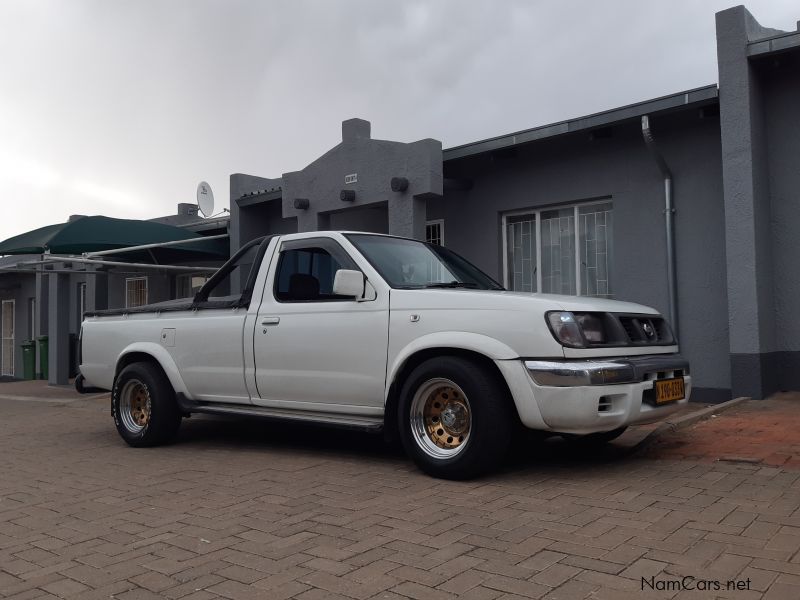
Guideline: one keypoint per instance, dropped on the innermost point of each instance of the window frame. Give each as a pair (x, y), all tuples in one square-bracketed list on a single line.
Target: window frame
[(13, 337), (332, 247), (81, 300), (431, 223), (575, 206), (146, 291), (32, 317)]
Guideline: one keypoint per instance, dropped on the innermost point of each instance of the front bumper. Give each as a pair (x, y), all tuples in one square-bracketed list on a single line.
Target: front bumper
[(571, 373), (588, 396)]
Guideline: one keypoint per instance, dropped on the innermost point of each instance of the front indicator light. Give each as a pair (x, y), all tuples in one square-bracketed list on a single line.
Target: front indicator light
[(565, 329)]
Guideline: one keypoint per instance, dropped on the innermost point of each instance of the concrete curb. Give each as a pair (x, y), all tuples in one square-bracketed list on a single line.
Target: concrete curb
[(685, 421), (50, 400)]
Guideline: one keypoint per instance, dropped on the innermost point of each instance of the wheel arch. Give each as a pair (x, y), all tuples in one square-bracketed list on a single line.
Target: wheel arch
[(156, 355), (419, 356)]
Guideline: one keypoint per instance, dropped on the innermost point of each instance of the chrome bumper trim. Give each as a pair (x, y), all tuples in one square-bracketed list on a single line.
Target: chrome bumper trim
[(569, 373)]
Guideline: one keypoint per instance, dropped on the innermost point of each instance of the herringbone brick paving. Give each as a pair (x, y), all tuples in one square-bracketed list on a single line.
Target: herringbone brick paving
[(765, 432), (247, 510)]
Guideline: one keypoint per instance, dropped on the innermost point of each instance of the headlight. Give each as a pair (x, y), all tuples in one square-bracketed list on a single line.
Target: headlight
[(592, 327), (577, 330), (565, 329)]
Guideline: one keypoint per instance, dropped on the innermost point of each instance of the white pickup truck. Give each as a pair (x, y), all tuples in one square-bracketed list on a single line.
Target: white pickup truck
[(384, 333)]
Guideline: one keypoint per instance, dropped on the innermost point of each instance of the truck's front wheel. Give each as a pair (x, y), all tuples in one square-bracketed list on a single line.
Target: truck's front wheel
[(143, 406), (455, 419)]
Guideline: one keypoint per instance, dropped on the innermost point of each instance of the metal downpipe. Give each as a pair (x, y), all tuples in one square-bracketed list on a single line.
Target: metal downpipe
[(669, 221)]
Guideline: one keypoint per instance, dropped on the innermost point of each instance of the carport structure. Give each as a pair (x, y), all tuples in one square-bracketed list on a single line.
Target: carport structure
[(57, 272)]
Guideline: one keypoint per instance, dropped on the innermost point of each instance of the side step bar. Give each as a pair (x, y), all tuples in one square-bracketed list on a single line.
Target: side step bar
[(362, 423)]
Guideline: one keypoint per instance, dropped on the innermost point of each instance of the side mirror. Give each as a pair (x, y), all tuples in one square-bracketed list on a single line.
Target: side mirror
[(349, 283)]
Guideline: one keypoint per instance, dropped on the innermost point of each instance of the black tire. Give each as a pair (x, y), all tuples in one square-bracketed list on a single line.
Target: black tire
[(594, 439), (147, 381), (491, 418)]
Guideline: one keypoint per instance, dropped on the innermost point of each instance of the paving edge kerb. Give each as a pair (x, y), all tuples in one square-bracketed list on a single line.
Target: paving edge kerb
[(678, 423)]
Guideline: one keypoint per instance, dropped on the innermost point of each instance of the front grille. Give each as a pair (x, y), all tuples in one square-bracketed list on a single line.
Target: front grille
[(630, 329), (646, 330), (663, 330)]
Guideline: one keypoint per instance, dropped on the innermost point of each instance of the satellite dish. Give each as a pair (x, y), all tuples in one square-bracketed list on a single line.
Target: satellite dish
[(205, 199)]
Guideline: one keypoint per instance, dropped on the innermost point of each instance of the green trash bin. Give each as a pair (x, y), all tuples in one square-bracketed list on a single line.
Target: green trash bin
[(28, 359), (44, 371)]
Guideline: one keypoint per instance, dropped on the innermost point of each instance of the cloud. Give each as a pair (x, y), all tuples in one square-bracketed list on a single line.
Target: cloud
[(121, 108)]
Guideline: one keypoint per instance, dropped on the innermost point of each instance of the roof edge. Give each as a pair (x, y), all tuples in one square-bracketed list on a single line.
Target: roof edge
[(678, 100), (783, 42)]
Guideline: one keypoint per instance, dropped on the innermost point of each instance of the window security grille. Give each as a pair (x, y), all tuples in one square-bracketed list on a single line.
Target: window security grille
[(560, 251), (135, 292)]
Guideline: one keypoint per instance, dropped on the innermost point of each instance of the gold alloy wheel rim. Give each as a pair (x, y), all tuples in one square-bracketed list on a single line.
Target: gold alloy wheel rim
[(140, 407), (441, 418), (135, 406)]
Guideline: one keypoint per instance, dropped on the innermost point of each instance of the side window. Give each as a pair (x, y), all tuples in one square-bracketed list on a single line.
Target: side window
[(231, 284), (306, 273)]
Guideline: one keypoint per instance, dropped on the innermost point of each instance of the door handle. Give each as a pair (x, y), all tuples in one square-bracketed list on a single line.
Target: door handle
[(270, 320)]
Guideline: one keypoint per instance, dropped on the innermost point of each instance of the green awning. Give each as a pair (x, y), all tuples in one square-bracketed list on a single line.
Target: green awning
[(93, 234)]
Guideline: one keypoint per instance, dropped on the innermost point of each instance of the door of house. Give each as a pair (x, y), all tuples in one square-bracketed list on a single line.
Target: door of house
[(7, 335)]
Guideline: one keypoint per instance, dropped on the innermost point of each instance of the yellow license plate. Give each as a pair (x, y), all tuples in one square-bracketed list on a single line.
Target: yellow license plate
[(669, 390)]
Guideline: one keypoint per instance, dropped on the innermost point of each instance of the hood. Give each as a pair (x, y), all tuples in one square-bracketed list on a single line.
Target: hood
[(505, 300), (516, 319)]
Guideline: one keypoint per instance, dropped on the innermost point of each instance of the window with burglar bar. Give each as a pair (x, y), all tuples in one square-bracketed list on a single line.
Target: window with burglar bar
[(135, 292), (434, 234), (565, 250)]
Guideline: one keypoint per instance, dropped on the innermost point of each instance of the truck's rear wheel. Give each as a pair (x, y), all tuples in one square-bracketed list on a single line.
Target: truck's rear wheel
[(454, 418), (143, 406)]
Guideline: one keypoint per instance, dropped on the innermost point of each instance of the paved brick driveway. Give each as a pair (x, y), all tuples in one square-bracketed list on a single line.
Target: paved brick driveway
[(247, 510), (765, 432)]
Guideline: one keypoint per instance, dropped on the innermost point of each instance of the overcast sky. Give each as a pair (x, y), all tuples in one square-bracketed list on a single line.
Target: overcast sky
[(120, 108)]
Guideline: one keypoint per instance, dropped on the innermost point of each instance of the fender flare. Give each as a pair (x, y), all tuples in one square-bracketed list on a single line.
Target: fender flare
[(162, 357), (461, 340)]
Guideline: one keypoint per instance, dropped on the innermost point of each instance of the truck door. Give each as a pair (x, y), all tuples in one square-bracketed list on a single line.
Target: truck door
[(312, 347), (207, 344)]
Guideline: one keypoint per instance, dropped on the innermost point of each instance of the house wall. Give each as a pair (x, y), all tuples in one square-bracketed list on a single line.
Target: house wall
[(758, 137), (373, 218), (575, 168), (160, 287), (364, 167), (254, 217), (780, 88)]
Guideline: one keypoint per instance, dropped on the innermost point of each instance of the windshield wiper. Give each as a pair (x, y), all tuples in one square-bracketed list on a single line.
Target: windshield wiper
[(453, 284)]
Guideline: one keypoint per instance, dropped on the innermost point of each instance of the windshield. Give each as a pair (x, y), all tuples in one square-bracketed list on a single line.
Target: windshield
[(405, 263)]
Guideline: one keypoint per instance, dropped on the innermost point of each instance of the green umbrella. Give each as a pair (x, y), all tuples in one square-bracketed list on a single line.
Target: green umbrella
[(93, 234)]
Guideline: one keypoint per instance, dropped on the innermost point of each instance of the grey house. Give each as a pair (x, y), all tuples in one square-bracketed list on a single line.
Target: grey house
[(688, 203)]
